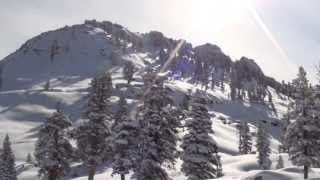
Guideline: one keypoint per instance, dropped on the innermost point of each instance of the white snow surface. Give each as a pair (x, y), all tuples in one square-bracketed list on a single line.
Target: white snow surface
[(22, 111), (84, 53)]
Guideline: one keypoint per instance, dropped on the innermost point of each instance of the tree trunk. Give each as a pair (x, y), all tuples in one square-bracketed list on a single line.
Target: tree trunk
[(92, 172), (52, 175), (305, 167), (123, 177), (305, 170)]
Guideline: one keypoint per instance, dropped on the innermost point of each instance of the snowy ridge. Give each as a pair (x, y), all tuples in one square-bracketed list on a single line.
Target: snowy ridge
[(70, 57)]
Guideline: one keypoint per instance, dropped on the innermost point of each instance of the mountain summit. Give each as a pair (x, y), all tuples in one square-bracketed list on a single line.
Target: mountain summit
[(77, 52), (58, 66)]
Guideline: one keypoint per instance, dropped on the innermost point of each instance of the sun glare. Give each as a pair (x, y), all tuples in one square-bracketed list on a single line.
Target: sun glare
[(216, 13), (216, 19)]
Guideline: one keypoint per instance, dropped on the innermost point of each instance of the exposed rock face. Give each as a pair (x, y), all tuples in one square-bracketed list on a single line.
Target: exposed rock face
[(85, 50), (213, 56)]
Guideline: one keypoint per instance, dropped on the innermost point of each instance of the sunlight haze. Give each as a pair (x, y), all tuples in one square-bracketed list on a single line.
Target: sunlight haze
[(226, 23)]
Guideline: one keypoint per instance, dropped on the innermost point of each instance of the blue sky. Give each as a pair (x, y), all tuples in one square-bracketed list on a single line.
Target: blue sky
[(286, 36)]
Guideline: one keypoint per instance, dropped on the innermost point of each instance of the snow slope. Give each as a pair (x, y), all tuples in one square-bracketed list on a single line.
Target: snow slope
[(71, 56), (24, 111)]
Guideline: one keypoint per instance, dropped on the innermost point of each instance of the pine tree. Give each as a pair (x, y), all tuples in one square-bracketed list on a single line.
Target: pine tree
[(263, 147), (128, 71), (301, 137), (200, 152), (105, 83), (53, 151), (124, 133), (245, 140), (93, 136), (158, 135), (219, 167), (121, 113), (302, 90), (280, 163), (7, 161)]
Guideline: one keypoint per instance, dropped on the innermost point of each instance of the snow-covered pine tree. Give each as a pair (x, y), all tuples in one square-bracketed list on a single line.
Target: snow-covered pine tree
[(7, 161), (121, 113), (105, 83), (263, 147), (200, 152), (245, 140), (301, 137), (125, 132), (128, 71), (158, 135), (302, 90), (280, 164), (53, 150), (93, 135)]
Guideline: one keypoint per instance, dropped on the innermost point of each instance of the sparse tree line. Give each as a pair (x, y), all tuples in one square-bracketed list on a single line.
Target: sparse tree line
[(206, 64), (262, 143), (301, 129), (214, 70), (143, 141)]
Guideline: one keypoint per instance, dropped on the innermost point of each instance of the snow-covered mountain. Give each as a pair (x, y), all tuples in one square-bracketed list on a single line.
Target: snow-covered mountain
[(68, 58)]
